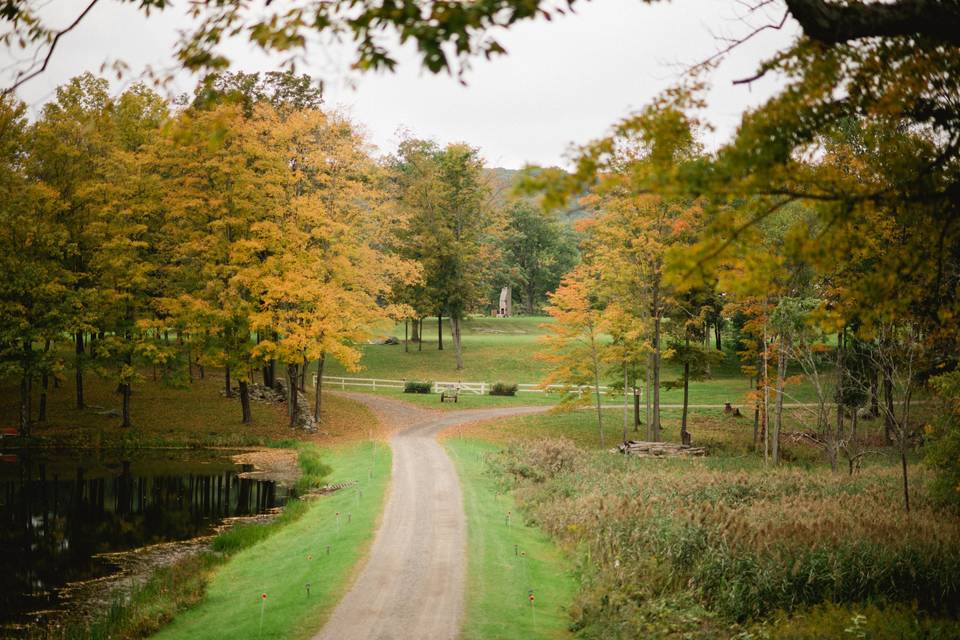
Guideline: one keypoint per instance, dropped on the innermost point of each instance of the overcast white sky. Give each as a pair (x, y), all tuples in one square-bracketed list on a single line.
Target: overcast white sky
[(561, 83)]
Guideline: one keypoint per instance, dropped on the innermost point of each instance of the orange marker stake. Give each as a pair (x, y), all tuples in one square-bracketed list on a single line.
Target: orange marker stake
[(533, 608), (263, 605)]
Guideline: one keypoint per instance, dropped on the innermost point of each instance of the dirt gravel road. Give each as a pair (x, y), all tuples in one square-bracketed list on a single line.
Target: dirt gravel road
[(412, 585)]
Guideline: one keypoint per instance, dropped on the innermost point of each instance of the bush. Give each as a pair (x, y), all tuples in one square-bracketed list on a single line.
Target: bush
[(413, 386), (503, 389), (312, 467)]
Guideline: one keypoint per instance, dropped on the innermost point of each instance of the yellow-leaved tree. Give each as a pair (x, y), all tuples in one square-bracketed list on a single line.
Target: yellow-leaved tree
[(324, 275)]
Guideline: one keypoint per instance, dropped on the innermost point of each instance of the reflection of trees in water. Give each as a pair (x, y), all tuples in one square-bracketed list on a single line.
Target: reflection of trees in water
[(51, 526)]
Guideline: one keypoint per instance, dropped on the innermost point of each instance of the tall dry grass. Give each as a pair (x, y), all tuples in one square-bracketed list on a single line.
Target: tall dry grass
[(733, 547)]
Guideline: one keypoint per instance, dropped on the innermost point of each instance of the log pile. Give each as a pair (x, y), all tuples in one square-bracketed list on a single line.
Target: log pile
[(659, 449)]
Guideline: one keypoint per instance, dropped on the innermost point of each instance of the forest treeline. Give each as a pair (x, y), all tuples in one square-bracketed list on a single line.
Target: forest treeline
[(245, 227)]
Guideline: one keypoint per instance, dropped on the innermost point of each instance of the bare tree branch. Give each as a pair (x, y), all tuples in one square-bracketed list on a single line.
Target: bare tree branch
[(24, 76)]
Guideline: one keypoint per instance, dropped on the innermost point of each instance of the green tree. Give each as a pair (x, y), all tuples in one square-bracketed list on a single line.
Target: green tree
[(447, 203), (538, 251)]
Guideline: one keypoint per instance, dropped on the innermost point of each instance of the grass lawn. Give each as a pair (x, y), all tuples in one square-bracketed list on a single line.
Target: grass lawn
[(499, 580), (281, 565), (503, 350), (166, 416)]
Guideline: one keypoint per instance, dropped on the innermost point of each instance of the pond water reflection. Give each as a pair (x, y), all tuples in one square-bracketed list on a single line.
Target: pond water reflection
[(59, 510)]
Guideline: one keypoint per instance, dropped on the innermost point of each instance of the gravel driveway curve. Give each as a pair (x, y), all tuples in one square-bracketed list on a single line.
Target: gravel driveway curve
[(412, 585)]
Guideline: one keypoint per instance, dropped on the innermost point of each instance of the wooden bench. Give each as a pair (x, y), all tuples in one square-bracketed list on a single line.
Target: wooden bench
[(9, 432), (449, 394)]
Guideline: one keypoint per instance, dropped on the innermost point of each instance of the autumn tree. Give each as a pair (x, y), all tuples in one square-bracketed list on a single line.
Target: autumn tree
[(122, 267), (36, 280), (69, 145), (325, 273), (573, 344)]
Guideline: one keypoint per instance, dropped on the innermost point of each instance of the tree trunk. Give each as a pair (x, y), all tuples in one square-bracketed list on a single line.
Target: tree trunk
[(228, 392), (838, 431), (529, 295), (778, 415), (42, 410), (455, 325), (420, 337), (318, 388), (440, 332), (44, 384), (78, 365), (415, 330), (888, 404), (626, 411), (648, 408), (875, 393), (636, 408), (406, 335), (852, 446), (125, 409), (684, 434), (292, 400), (906, 486), (303, 374), (596, 382), (245, 402), (655, 363), (717, 336), (25, 403)]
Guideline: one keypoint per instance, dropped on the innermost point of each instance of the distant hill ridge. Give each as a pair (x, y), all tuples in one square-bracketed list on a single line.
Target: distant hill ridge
[(504, 180)]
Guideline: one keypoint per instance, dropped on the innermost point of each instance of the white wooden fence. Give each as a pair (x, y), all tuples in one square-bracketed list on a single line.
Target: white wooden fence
[(476, 388)]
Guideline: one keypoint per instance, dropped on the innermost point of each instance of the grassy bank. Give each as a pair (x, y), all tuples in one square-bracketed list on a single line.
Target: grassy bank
[(281, 565), (507, 561), (216, 593), (678, 548)]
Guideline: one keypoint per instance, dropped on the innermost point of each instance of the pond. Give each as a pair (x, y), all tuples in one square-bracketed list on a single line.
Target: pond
[(65, 515)]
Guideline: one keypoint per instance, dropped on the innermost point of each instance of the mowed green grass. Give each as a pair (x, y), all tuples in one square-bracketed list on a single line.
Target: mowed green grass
[(504, 350), (494, 349), (507, 562), (281, 565)]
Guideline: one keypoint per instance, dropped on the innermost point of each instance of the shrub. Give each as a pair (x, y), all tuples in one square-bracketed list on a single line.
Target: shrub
[(312, 467), (414, 386), (503, 389)]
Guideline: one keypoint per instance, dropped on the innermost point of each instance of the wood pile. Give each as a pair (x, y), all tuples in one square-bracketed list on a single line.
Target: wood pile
[(659, 449)]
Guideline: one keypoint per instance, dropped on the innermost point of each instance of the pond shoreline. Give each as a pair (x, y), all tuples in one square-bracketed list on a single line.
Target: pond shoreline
[(98, 521)]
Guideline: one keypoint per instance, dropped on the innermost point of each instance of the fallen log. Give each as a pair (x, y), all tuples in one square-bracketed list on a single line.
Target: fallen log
[(659, 449)]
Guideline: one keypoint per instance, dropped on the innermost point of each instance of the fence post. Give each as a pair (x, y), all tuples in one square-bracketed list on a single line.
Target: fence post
[(374, 384)]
